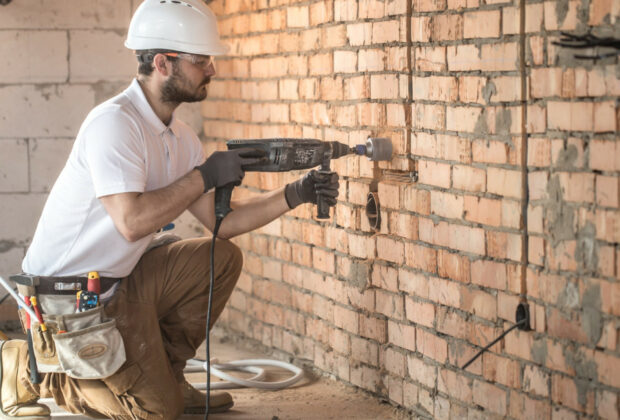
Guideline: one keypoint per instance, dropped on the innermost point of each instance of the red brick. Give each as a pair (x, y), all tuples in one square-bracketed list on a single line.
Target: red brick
[(421, 28), (385, 277), (395, 362), (446, 205), (462, 119), (447, 27), (453, 266), (429, 5), (455, 384), (429, 116), (468, 178), (536, 381), (389, 193), (421, 257), (416, 200), (504, 182), (504, 245), (608, 369), (482, 210), (489, 274), (390, 249), (413, 283), (570, 116), (479, 303), (422, 313), (490, 397), (490, 151), (390, 304), (385, 31), (384, 86), (346, 319), (373, 328), (452, 324), (431, 345), (481, 24), (434, 173), (564, 392), (401, 335), (364, 350), (607, 191), (499, 56), (577, 187), (446, 292), (359, 33), (604, 155), (430, 59), (605, 117), (501, 370)]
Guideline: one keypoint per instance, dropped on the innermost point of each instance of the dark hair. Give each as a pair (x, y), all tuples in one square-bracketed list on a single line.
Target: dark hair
[(145, 60)]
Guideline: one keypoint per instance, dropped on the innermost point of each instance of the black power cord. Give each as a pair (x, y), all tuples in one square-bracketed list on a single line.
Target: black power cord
[(488, 346), (218, 222)]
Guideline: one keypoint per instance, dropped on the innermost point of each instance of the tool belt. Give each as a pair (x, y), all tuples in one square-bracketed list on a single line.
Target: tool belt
[(84, 345)]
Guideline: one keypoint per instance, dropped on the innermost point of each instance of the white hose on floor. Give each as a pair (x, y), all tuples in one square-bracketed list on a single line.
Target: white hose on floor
[(247, 365)]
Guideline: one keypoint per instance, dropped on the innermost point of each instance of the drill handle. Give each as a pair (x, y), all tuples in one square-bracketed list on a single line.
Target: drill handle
[(222, 200), (322, 207)]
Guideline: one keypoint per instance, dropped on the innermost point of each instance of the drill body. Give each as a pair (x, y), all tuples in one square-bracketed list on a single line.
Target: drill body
[(288, 154)]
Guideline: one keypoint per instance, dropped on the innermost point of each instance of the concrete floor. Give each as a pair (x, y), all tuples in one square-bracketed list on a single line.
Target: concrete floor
[(315, 398)]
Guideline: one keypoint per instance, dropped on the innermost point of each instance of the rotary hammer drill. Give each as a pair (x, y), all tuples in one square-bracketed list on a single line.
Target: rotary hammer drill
[(285, 154)]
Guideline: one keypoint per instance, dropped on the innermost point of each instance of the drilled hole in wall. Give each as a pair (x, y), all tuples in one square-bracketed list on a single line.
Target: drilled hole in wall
[(373, 211)]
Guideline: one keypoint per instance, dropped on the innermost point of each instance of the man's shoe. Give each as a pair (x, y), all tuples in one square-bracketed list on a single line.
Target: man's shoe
[(17, 402), (195, 401)]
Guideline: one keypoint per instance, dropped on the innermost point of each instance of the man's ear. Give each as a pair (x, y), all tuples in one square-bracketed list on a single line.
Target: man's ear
[(161, 64)]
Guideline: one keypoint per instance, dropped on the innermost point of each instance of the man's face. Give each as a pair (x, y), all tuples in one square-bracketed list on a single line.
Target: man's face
[(187, 83)]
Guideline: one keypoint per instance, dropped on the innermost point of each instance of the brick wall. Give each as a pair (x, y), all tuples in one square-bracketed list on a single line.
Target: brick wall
[(504, 130), (60, 58)]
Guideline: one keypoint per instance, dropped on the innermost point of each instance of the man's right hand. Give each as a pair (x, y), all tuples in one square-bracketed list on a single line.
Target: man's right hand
[(222, 168)]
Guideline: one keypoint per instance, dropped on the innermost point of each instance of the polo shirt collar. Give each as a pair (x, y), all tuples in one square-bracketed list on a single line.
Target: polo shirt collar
[(137, 97)]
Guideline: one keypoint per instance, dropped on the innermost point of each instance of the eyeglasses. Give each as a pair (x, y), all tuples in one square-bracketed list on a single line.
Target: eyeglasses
[(203, 61)]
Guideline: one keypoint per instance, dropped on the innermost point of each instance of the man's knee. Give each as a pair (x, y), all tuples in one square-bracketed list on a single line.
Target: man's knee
[(233, 252)]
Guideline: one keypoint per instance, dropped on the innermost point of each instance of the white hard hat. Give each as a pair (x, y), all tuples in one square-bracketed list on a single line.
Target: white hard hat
[(187, 26)]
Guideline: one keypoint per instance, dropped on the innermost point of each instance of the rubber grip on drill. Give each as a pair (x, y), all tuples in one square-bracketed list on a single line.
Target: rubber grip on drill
[(322, 208), (222, 200)]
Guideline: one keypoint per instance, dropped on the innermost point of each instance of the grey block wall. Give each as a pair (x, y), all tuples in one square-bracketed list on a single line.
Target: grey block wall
[(60, 58)]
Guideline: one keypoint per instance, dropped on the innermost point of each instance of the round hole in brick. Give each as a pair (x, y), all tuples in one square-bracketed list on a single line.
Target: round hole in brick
[(373, 211)]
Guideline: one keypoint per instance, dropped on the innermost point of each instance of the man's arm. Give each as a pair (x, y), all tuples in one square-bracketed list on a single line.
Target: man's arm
[(254, 212), (136, 215), (249, 214)]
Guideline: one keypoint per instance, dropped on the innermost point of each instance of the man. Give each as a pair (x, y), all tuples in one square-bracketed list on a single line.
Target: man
[(133, 169)]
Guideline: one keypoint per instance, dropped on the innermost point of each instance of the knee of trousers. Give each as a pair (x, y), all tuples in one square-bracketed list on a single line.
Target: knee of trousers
[(234, 258)]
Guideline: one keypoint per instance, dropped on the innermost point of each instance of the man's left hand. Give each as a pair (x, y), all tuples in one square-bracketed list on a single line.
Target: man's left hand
[(310, 186)]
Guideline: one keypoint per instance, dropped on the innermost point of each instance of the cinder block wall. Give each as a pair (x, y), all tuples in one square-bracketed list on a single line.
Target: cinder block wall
[(504, 187), (60, 58)]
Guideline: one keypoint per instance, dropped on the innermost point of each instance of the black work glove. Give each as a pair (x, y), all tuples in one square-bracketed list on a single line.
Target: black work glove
[(222, 168), (310, 186)]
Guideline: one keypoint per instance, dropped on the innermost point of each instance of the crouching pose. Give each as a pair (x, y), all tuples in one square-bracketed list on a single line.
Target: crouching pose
[(119, 350)]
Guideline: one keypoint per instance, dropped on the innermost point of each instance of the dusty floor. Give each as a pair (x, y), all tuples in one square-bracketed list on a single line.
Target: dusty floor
[(312, 398)]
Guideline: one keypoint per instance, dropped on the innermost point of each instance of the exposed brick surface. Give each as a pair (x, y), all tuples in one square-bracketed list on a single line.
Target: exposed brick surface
[(395, 311)]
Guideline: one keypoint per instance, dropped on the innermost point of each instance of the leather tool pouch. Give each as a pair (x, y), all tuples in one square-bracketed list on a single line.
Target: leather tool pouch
[(83, 345)]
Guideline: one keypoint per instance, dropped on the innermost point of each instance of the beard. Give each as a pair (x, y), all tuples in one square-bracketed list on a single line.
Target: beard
[(178, 89)]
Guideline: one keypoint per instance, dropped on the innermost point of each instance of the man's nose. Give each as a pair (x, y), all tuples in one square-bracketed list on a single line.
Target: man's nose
[(210, 70)]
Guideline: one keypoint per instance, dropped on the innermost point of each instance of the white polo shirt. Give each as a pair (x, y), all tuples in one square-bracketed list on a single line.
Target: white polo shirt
[(122, 146)]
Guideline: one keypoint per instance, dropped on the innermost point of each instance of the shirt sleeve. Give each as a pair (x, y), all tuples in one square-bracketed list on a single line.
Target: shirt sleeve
[(114, 153)]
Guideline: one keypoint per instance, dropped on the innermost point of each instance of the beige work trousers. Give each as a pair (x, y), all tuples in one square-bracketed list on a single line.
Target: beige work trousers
[(160, 310)]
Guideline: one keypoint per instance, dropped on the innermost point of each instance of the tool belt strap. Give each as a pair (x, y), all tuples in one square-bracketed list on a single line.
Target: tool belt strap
[(63, 285)]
